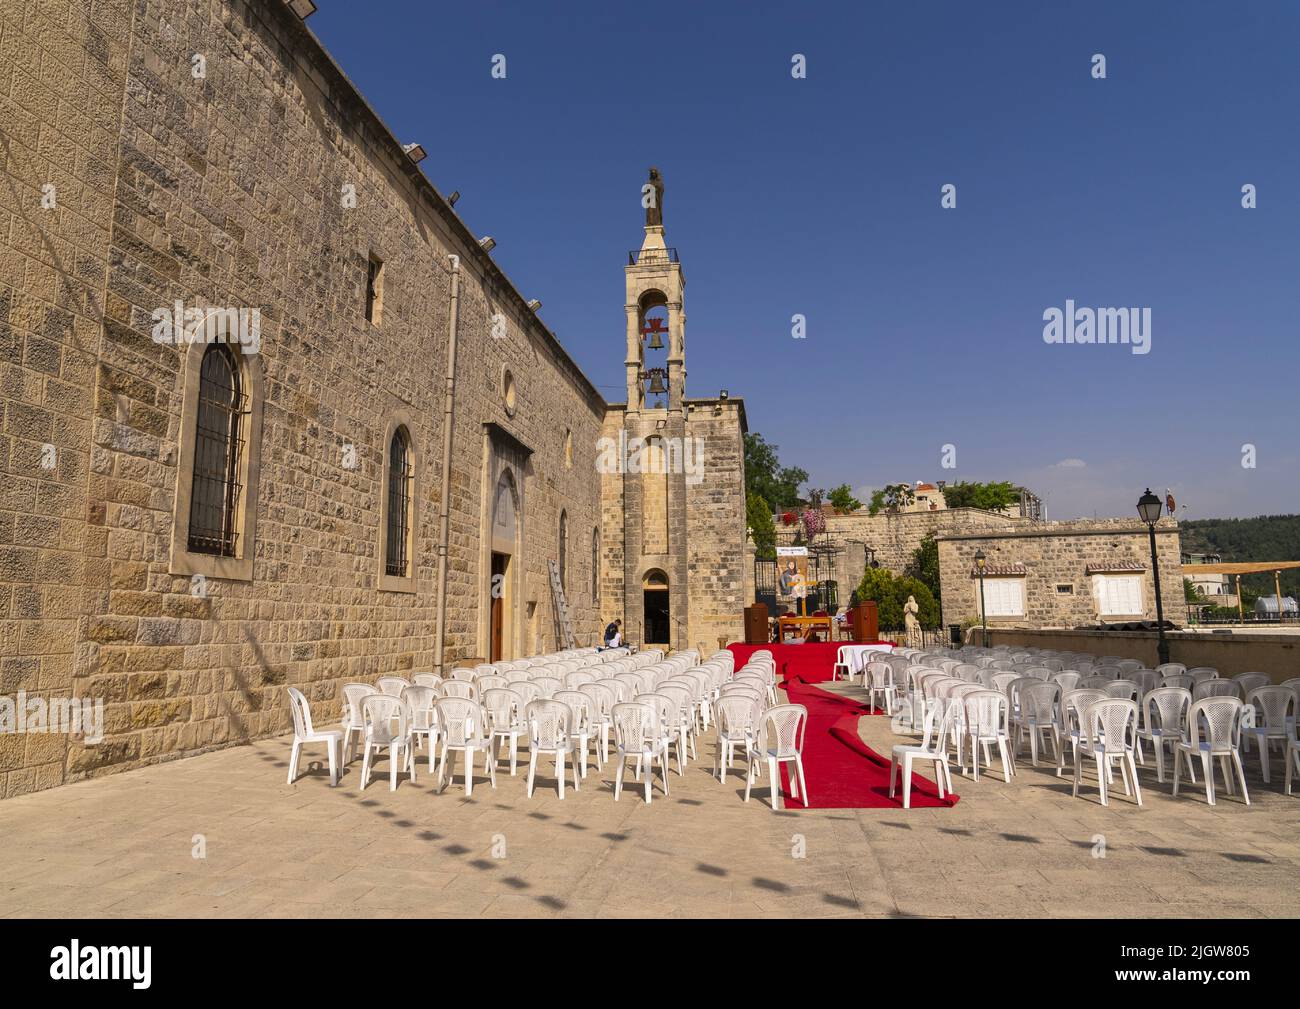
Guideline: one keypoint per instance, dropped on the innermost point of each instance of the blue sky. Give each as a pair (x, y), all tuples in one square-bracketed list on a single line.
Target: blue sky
[(821, 197)]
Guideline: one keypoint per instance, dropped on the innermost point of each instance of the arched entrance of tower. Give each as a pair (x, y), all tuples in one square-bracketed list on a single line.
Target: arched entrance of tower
[(656, 618), (505, 536)]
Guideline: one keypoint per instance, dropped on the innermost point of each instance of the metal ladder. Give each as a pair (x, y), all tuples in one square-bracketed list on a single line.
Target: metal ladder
[(564, 627)]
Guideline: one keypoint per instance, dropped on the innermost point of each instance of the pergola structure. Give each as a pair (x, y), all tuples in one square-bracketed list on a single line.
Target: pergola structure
[(1239, 568)]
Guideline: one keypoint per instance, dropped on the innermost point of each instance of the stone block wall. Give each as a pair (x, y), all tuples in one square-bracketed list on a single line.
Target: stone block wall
[(715, 517), (229, 188), (1059, 554)]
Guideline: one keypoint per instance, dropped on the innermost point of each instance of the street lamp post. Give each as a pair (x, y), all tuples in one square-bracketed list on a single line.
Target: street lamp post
[(1149, 509), (984, 619)]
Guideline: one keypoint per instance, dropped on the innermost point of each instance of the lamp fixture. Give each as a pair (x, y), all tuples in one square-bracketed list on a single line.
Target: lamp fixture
[(488, 243), (415, 152)]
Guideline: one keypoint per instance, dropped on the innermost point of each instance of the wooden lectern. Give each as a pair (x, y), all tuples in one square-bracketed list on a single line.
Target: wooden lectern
[(756, 632), (864, 621)]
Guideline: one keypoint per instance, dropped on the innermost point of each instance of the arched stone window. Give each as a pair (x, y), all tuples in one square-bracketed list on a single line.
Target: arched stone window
[(215, 487), (215, 507), (564, 550), (401, 470), (399, 499)]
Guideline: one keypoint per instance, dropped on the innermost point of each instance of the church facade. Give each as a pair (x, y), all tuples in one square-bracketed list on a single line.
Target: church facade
[(272, 414)]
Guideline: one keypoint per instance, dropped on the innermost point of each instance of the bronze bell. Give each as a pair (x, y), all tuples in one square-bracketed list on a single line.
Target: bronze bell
[(656, 381), (654, 329)]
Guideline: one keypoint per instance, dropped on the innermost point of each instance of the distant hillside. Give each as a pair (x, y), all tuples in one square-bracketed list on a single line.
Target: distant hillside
[(1264, 538)]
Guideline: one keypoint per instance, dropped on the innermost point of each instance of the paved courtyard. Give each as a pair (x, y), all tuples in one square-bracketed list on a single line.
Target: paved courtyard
[(125, 845)]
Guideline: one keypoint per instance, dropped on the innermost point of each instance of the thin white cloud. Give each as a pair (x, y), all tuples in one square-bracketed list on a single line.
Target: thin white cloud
[(1069, 464)]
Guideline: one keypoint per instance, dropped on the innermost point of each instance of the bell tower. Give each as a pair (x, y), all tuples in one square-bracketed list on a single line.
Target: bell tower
[(656, 601), (655, 289)]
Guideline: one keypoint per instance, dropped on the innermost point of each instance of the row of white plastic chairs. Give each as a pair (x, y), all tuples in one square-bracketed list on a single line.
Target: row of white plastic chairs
[(665, 704), (1213, 720)]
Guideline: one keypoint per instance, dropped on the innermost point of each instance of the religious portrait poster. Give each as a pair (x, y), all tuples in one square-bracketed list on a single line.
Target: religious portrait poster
[(792, 582)]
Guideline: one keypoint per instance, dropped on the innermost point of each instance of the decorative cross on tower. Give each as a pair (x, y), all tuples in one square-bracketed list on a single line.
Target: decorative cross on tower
[(655, 329)]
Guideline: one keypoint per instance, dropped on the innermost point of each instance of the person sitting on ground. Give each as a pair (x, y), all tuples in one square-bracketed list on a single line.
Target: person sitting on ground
[(613, 634)]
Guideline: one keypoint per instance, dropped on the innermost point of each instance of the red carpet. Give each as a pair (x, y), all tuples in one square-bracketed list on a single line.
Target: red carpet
[(842, 771), (813, 661)]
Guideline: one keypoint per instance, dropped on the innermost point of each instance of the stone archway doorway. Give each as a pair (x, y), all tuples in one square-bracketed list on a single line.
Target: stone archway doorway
[(656, 624)]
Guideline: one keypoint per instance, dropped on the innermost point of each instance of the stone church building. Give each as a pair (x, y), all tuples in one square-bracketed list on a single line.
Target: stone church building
[(272, 414)]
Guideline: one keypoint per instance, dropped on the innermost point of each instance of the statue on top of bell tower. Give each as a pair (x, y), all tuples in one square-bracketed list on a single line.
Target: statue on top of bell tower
[(652, 197)]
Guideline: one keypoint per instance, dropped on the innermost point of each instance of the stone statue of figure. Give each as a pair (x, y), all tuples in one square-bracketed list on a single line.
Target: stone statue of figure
[(654, 213), (913, 626)]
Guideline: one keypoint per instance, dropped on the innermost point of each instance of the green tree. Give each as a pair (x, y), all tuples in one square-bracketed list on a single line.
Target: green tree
[(891, 498), (842, 498), (1191, 593), (924, 567), (758, 516), (991, 496), (765, 476), (878, 586)]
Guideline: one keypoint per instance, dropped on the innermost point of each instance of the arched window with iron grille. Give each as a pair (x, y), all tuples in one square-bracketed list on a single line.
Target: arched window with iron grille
[(564, 550), (218, 449), (400, 472)]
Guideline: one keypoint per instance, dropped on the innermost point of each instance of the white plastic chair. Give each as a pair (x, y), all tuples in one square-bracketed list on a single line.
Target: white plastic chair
[(583, 729), (738, 714), (1221, 718), (549, 724), (905, 756), (392, 685), (638, 737), (304, 732), (462, 689), (463, 728), (505, 725), (780, 740), (1039, 715), (879, 677), (1164, 716), (669, 722), (1249, 681), (602, 699), (1110, 727), (1216, 688), (354, 719), (548, 685), (987, 725), (424, 718), (1270, 714), (427, 680), (381, 711)]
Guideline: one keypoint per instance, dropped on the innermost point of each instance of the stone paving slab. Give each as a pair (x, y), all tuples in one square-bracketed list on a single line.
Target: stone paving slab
[(124, 846)]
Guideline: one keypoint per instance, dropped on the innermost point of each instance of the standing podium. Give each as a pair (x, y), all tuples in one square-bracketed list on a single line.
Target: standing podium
[(864, 621)]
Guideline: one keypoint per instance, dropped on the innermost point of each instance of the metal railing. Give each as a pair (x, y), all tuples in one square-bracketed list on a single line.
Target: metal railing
[(643, 257)]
